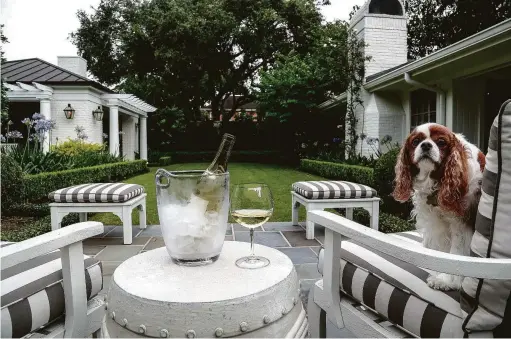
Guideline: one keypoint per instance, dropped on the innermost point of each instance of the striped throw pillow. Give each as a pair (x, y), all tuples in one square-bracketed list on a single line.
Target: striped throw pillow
[(486, 303), (333, 190), (33, 294), (110, 192)]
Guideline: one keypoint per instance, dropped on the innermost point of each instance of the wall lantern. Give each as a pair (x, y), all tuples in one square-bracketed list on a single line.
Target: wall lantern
[(69, 112), (98, 114)]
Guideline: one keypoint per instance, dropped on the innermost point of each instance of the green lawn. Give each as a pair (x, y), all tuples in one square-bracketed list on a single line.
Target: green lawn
[(278, 178)]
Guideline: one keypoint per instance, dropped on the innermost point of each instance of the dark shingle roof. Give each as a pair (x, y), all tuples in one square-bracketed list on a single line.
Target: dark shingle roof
[(43, 72)]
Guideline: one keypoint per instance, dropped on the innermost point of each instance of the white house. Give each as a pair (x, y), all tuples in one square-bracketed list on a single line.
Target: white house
[(460, 86), (34, 85)]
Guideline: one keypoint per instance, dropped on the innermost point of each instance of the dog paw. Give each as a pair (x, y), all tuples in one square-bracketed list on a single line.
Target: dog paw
[(444, 282)]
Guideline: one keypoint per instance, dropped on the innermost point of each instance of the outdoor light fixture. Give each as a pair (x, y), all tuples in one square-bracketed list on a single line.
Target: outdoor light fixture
[(98, 114), (69, 112)]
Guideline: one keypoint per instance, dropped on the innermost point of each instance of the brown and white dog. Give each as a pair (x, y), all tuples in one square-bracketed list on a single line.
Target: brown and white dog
[(441, 172)]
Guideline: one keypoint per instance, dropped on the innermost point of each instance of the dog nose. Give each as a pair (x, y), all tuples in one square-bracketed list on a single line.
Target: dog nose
[(426, 146)]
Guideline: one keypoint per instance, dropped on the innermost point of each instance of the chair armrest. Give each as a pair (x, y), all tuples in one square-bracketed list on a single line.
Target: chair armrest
[(31, 248), (488, 268)]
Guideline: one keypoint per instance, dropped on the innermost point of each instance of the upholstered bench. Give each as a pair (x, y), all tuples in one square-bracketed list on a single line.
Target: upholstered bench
[(117, 198), (318, 195)]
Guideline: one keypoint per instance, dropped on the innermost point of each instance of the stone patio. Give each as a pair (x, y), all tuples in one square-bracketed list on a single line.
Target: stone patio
[(283, 236)]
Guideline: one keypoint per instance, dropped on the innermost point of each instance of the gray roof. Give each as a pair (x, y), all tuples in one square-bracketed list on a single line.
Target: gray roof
[(379, 74), (43, 72)]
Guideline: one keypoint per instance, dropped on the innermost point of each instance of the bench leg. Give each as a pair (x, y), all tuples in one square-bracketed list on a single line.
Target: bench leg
[(316, 316), (56, 217), (375, 212), (142, 214), (127, 226), (294, 210), (82, 216), (349, 213), (309, 231)]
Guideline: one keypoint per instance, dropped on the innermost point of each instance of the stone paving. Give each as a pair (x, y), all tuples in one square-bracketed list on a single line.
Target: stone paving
[(283, 236)]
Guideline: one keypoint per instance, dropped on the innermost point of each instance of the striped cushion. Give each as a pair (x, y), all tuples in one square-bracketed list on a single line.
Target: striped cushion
[(333, 190), (112, 192), (33, 295), (487, 303), (398, 290)]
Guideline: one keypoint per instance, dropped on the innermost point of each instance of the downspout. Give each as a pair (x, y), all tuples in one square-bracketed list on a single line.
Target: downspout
[(440, 116)]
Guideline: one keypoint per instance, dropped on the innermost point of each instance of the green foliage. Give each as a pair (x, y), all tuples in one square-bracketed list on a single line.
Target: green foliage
[(33, 161), (165, 161), (184, 53), (384, 175), (34, 228), (329, 170), (76, 147), (262, 157), (11, 183), (4, 101), (435, 24), (27, 230), (38, 186), (387, 223), (28, 210)]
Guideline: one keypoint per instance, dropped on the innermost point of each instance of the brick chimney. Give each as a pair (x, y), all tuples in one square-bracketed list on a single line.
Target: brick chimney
[(74, 64)]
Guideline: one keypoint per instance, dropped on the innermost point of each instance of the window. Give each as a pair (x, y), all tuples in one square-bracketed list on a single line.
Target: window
[(423, 107)]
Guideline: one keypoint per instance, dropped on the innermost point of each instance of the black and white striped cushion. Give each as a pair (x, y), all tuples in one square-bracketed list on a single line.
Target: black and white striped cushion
[(398, 290), (486, 303), (333, 190), (33, 295), (111, 192)]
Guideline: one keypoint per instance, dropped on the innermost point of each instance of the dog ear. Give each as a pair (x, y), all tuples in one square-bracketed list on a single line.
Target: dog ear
[(403, 185), (454, 181)]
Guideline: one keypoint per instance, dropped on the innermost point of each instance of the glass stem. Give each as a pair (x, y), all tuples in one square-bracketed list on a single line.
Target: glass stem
[(252, 254)]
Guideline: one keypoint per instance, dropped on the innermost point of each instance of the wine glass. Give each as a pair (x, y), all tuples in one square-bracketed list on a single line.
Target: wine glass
[(251, 206)]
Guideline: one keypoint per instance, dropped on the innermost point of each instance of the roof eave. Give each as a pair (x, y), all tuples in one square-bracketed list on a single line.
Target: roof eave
[(343, 97), (490, 36)]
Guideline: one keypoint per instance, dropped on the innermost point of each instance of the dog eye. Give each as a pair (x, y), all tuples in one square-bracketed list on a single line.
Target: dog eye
[(415, 142), (441, 142)]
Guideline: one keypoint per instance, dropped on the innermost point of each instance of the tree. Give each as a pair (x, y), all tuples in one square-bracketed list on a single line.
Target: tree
[(4, 101), (434, 24), (184, 53)]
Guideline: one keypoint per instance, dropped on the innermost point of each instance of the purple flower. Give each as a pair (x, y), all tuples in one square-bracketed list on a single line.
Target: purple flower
[(336, 140), (26, 121), (386, 139), (42, 125), (37, 116), (79, 129), (2, 138), (371, 141), (14, 135), (105, 136), (363, 136)]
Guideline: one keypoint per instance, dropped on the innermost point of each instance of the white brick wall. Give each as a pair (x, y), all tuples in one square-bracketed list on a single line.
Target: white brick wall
[(84, 103), (74, 64), (129, 136)]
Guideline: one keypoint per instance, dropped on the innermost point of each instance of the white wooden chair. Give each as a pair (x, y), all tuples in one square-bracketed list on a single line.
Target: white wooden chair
[(47, 276), (374, 284)]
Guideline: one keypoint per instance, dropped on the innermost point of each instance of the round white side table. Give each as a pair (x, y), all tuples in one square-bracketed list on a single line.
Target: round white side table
[(150, 296)]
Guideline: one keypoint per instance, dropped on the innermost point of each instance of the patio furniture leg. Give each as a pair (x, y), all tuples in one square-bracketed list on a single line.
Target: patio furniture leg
[(294, 210), (309, 232), (82, 216), (127, 225), (142, 214), (317, 317), (375, 215), (56, 218)]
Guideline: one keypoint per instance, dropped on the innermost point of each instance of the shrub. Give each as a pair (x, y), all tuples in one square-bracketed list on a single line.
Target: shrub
[(38, 186), (330, 170), (33, 228), (76, 147), (33, 160), (11, 182), (165, 161), (384, 176), (272, 157), (387, 223), (28, 210)]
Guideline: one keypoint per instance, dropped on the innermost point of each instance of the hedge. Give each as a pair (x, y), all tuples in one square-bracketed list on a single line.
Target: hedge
[(165, 161), (37, 187), (273, 157), (339, 171)]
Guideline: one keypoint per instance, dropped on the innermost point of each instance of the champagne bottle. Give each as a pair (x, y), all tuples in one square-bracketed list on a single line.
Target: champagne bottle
[(219, 164), (208, 182)]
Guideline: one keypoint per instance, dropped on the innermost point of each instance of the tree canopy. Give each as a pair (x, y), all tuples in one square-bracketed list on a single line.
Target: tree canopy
[(184, 53), (434, 24)]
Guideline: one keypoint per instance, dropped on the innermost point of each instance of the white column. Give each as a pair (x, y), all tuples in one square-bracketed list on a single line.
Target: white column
[(113, 136), (45, 109), (143, 138)]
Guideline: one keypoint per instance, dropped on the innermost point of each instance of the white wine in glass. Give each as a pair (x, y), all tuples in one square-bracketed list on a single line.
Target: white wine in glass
[(251, 207)]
